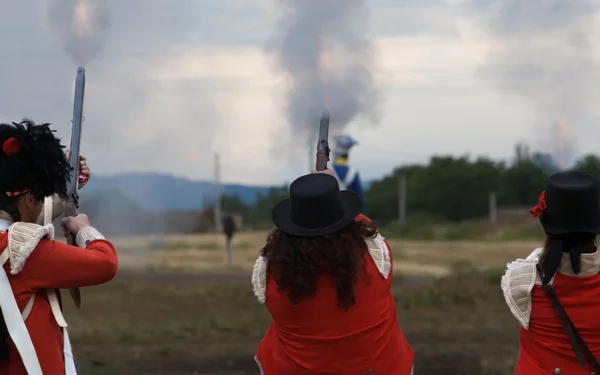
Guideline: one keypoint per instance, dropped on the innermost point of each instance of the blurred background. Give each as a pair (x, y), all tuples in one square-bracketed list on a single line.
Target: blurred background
[(199, 110)]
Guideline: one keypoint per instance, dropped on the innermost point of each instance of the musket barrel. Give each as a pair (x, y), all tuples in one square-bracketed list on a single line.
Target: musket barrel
[(73, 197), (323, 143), (77, 122)]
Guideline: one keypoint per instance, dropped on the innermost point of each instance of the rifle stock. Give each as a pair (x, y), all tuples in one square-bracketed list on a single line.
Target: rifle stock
[(323, 143), (72, 203)]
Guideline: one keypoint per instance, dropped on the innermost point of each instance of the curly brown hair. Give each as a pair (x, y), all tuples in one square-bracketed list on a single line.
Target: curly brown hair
[(295, 262)]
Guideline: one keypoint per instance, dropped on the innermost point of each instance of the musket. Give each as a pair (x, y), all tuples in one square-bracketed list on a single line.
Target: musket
[(72, 202), (323, 143)]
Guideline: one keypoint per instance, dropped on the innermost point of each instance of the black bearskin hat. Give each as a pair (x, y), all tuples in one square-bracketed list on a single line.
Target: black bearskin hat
[(32, 159)]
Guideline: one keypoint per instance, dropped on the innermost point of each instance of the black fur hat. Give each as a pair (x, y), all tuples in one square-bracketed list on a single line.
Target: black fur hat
[(32, 160)]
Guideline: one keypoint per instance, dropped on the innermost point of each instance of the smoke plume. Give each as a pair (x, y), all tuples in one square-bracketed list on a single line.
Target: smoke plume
[(328, 58), (542, 51), (81, 25)]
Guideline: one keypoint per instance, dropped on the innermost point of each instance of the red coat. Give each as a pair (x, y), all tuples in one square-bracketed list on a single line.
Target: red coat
[(544, 346), (53, 265), (315, 336)]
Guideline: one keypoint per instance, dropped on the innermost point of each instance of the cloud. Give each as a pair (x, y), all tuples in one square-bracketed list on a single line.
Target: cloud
[(179, 80), (542, 52), (143, 111), (413, 18)]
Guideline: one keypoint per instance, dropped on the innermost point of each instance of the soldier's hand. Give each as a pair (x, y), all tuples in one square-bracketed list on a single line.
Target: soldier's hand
[(84, 169), (72, 224), (328, 171)]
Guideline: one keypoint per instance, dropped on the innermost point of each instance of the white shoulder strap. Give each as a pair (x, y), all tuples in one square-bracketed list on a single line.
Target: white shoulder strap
[(28, 307), (339, 180), (350, 176), (52, 298), (15, 324), (55, 307), (70, 368), (48, 210)]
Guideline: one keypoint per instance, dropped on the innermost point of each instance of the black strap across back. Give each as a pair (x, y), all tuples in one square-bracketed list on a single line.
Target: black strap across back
[(580, 348)]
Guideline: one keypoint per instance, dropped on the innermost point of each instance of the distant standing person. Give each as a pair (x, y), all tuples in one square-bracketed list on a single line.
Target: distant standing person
[(555, 292), (34, 335), (325, 275), (229, 229), (347, 176)]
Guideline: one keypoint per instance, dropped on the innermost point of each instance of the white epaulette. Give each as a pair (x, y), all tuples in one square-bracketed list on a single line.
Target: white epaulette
[(22, 240), (378, 250), (380, 254), (517, 283)]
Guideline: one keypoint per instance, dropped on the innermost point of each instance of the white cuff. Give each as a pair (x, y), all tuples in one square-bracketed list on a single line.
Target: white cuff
[(87, 235)]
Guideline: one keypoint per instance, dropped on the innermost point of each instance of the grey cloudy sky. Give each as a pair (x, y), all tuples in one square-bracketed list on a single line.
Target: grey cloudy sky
[(178, 80)]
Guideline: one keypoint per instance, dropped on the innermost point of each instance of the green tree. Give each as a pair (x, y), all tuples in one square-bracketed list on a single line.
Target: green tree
[(382, 197), (235, 204), (456, 188), (448, 187), (589, 164), (260, 213), (522, 182)]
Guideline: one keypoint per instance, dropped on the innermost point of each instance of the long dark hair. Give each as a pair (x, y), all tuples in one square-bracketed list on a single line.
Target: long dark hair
[(295, 262), (556, 245)]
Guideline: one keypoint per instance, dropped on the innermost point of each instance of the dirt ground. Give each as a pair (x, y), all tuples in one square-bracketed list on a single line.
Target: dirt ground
[(175, 309), (176, 323), (206, 253)]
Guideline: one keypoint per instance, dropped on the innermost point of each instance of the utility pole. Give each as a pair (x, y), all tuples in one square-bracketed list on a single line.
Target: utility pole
[(493, 209), (218, 221), (402, 201)]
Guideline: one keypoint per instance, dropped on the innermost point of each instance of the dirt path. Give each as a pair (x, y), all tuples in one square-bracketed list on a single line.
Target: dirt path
[(162, 277)]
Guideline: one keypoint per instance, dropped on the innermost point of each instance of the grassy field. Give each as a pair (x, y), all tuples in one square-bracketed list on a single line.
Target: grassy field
[(206, 253), (172, 310)]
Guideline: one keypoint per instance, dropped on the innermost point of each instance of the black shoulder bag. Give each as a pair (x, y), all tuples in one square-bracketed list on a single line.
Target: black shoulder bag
[(579, 346)]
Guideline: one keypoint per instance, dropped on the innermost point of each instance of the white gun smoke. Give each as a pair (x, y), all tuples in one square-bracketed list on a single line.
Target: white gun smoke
[(329, 60), (81, 25), (542, 51)]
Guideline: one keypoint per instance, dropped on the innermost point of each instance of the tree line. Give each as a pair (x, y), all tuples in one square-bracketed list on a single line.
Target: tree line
[(447, 188)]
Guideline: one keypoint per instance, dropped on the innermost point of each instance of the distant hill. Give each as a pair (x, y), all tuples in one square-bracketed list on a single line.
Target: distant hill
[(160, 192), (153, 192)]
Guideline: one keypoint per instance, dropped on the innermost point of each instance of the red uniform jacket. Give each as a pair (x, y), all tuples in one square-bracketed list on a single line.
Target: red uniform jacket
[(544, 346), (53, 265), (315, 336)]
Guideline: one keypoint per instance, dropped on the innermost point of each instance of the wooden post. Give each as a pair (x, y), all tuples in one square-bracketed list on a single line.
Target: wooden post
[(493, 209), (229, 250), (218, 218), (402, 201)]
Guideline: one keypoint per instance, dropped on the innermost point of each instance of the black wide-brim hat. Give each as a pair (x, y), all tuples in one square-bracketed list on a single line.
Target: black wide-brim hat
[(316, 206), (572, 203)]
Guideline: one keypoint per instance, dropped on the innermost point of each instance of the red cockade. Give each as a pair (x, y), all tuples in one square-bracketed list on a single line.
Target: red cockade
[(540, 207)]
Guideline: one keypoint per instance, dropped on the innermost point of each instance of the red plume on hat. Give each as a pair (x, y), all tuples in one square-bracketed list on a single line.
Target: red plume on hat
[(11, 146), (540, 207)]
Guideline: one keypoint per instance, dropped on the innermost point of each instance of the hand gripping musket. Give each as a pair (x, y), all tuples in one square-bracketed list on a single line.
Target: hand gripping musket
[(323, 143), (72, 202)]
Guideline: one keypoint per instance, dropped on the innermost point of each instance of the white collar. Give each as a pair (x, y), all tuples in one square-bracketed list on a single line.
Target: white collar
[(589, 264)]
